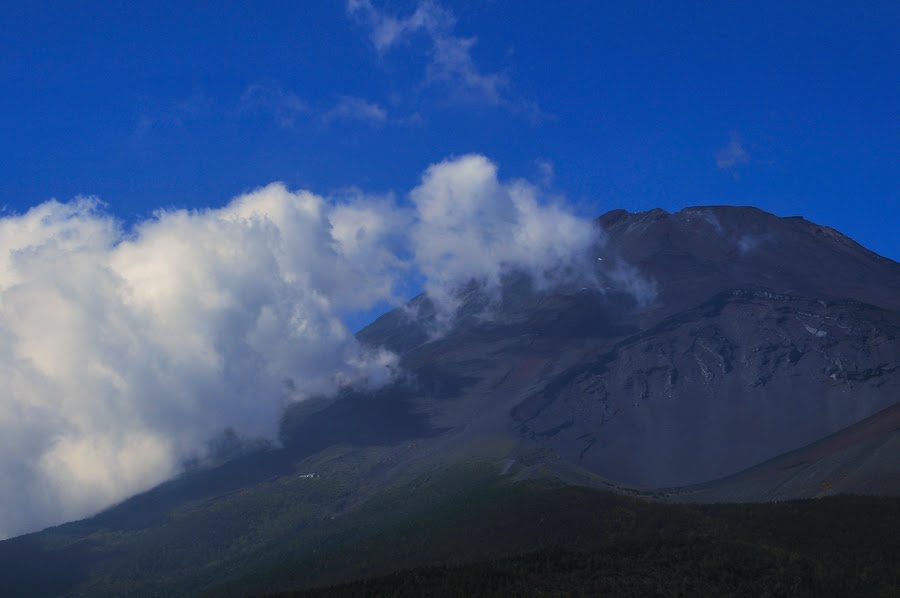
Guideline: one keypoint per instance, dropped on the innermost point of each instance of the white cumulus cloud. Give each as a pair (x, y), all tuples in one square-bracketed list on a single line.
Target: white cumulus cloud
[(122, 354), (471, 226), (124, 351)]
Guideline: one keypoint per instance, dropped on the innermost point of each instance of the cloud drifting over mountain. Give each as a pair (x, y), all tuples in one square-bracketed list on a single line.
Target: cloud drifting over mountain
[(124, 351), (470, 225)]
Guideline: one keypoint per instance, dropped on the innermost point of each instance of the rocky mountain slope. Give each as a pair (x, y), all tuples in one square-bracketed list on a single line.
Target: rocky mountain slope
[(717, 338)]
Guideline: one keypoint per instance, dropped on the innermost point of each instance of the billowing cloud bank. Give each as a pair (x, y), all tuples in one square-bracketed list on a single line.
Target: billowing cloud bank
[(123, 352)]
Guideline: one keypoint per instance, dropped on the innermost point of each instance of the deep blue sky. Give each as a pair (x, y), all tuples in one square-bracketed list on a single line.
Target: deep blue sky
[(188, 104)]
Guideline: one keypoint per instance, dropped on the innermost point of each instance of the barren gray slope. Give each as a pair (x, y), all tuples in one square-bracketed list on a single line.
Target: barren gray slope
[(861, 459)]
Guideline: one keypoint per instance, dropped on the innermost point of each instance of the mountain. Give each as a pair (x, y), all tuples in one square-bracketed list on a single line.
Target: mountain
[(765, 334), (718, 354)]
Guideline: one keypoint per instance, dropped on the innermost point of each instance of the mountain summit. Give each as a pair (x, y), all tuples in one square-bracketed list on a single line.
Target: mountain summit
[(718, 337)]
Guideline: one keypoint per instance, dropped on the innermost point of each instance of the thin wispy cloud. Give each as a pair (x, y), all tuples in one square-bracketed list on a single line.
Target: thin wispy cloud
[(545, 171), (155, 114), (449, 63), (289, 110), (355, 109), (271, 98), (733, 153)]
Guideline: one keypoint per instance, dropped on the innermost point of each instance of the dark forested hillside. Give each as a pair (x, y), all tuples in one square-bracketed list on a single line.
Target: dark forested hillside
[(486, 532)]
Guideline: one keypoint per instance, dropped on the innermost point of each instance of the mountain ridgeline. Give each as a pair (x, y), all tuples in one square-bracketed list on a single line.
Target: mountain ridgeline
[(718, 354)]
